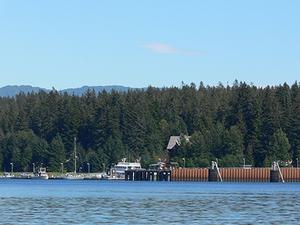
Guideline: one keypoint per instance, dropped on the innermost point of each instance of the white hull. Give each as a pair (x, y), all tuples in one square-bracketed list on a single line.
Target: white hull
[(40, 177), (117, 172), (73, 177), (115, 178), (7, 177)]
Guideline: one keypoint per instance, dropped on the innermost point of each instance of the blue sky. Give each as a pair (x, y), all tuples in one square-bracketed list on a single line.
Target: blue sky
[(139, 43)]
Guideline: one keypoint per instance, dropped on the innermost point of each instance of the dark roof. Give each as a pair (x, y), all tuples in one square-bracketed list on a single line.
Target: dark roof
[(175, 140)]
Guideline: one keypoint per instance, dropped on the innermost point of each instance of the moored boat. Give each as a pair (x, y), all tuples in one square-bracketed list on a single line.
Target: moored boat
[(7, 175), (117, 172), (94, 176), (73, 176), (40, 175)]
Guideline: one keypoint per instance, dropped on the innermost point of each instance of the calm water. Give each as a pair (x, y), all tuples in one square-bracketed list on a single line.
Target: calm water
[(115, 202)]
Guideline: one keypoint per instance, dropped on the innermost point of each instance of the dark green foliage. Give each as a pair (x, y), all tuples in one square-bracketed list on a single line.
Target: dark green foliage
[(279, 148), (229, 123), (22, 148), (233, 147), (57, 154)]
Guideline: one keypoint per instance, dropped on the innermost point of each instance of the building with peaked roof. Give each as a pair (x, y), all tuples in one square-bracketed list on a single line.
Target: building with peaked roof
[(173, 143)]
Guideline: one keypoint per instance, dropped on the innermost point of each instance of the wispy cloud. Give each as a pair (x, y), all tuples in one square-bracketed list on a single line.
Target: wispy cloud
[(163, 48)]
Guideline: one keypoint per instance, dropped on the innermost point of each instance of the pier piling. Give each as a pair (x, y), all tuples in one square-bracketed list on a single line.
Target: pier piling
[(148, 175), (274, 176), (212, 175)]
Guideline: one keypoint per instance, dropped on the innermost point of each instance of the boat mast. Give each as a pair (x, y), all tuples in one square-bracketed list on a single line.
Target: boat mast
[(75, 155)]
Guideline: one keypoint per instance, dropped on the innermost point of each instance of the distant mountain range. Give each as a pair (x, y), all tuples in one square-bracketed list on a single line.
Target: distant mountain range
[(12, 90)]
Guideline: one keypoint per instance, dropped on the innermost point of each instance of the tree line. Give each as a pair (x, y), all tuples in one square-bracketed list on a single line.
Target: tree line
[(230, 123)]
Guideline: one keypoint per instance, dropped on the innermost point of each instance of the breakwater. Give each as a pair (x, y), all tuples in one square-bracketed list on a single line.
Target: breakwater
[(238, 174)]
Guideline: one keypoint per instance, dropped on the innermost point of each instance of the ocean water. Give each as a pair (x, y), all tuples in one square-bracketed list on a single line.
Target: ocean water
[(120, 202)]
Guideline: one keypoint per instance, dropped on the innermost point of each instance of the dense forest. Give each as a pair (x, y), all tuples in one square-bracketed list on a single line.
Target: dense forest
[(230, 123)]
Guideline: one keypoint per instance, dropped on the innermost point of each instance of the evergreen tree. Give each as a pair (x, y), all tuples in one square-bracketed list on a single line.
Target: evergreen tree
[(279, 148), (228, 123), (234, 147), (57, 154)]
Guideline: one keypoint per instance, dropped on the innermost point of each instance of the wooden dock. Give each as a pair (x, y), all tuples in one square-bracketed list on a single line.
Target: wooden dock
[(238, 174), (148, 175)]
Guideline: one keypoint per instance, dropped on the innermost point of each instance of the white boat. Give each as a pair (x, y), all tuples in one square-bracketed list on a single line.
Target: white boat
[(73, 176), (7, 175), (118, 171), (25, 176), (41, 174), (95, 176), (104, 176)]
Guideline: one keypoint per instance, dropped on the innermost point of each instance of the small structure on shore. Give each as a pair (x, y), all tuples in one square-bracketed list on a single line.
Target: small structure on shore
[(172, 147), (175, 141)]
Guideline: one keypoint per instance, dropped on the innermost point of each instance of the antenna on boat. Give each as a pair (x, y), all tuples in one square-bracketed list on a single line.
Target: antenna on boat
[(75, 157)]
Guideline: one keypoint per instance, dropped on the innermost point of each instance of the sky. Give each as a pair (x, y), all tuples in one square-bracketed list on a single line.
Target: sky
[(71, 43)]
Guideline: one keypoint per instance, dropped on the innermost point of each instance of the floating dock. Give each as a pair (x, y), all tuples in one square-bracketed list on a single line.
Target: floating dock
[(238, 174)]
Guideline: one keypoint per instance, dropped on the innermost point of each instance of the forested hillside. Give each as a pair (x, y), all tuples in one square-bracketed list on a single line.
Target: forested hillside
[(225, 122), (11, 91)]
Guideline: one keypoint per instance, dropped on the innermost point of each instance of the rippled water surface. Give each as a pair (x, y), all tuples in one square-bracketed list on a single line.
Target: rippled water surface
[(117, 202)]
